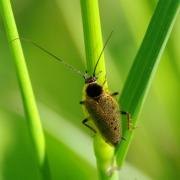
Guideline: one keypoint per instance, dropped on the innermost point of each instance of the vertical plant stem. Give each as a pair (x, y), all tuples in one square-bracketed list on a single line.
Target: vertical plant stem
[(144, 67), (93, 46), (31, 112), (93, 37)]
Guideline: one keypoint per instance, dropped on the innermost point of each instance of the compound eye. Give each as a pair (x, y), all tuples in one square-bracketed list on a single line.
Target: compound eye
[(94, 90)]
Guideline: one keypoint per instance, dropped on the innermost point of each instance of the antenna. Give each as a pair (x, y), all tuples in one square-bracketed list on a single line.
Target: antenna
[(102, 52), (54, 56)]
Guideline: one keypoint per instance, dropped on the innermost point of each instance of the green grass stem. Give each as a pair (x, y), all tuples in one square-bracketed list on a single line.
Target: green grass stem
[(30, 108), (144, 67), (93, 46), (93, 37)]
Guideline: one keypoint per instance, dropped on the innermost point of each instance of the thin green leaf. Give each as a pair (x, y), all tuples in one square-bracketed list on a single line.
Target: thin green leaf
[(33, 119), (144, 67)]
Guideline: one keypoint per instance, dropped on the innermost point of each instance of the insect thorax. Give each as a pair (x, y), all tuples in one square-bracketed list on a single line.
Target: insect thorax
[(94, 90)]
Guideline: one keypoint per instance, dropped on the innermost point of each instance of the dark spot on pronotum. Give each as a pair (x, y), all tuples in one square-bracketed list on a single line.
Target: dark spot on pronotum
[(111, 122), (94, 90), (115, 128)]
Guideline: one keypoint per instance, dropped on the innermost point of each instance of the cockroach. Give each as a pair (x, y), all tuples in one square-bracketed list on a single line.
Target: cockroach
[(103, 108), (101, 105)]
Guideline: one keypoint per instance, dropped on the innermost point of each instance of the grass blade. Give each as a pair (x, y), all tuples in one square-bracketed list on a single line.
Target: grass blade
[(93, 37), (33, 119), (144, 67), (93, 46)]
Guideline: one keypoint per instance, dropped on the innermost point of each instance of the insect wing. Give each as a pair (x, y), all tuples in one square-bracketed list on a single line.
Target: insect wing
[(105, 114)]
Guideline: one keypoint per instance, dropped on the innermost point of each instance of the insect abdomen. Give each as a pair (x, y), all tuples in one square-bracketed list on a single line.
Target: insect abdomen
[(104, 111)]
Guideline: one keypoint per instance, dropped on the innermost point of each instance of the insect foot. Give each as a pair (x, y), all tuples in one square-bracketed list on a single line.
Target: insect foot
[(123, 138), (132, 127), (81, 102), (115, 94)]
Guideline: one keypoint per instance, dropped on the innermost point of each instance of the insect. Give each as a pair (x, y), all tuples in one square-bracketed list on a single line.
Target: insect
[(102, 107)]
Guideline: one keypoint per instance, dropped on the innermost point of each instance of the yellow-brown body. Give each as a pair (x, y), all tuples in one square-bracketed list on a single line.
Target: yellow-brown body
[(104, 110)]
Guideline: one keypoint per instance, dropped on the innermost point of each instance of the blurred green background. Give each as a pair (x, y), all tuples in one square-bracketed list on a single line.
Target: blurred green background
[(56, 25)]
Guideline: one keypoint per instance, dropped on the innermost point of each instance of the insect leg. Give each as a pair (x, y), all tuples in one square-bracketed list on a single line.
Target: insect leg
[(87, 125), (104, 81), (124, 139), (114, 94), (128, 116), (81, 102)]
